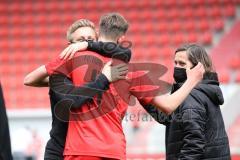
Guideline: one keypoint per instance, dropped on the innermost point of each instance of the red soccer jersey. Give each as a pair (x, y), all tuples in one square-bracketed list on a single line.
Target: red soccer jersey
[(96, 128)]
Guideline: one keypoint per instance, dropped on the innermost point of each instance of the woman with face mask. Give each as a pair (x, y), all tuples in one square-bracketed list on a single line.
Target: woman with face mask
[(196, 129)]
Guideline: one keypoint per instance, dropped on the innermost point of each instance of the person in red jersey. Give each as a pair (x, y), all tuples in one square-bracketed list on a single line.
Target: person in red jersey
[(83, 31), (95, 130)]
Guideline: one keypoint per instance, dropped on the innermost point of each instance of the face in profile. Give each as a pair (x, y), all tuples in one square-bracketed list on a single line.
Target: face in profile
[(181, 60), (83, 34)]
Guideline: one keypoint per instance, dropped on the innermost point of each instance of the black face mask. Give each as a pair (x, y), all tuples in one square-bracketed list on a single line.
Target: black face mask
[(179, 75)]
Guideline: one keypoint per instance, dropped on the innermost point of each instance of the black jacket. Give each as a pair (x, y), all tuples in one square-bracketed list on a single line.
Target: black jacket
[(5, 144), (196, 129)]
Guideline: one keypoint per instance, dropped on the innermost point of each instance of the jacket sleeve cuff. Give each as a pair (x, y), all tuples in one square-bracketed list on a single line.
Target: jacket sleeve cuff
[(95, 46), (145, 100), (103, 81)]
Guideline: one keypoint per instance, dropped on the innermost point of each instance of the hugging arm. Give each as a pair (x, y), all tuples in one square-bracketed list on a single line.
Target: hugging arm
[(62, 85), (39, 77), (109, 49), (169, 103)]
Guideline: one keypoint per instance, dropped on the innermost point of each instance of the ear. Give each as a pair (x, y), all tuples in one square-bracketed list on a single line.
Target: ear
[(121, 39), (190, 65)]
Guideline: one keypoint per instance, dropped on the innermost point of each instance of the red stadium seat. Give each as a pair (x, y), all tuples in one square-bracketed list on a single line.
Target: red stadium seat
[(200, 12), (191, 38), (4, 57), (93, 17), (40, 32), (3, 21), (27, 20), (178, 39), (172, 14), (5, 44), (237, 1), (89, 4), (207, 38), (186, 13), (162, 27), (67, 18), (183, 3), (166, 53), (132, 15), (215, 12), (161, 14), (212, 2), (149, 40), (203, 25), (51, 5), (224, 77), (175, 26), (15, 19), (235, 63), (130, 4), (148, 27), (154, 54), (189, 26), (27, 7), (13, 7), (134, 28), (170, 3), (53, 18), (229, 11), (103, 6), (197, 2), (145, 15), (138, 54), (2, 7), (163, 40), (40, 7), (137, 40), (40, 19), (218, 25)]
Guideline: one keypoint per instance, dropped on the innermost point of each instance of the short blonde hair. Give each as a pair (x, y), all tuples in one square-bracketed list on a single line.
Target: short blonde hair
[(78, 24)]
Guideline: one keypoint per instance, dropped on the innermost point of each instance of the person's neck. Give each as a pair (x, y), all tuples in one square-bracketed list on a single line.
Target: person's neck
[(104, 39)]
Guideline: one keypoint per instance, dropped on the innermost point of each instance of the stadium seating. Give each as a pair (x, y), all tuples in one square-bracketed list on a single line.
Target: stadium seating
[(33, 32), (226, 55)]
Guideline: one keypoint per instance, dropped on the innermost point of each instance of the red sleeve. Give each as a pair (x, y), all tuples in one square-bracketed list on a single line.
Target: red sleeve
[(59, 66), (142, 88), (146, 83)]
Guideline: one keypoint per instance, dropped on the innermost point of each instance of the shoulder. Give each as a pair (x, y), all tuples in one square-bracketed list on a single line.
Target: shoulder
[(193, 102), (192, 109)]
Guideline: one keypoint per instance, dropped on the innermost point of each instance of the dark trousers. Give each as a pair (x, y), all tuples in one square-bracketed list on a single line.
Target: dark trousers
[(5, 147)]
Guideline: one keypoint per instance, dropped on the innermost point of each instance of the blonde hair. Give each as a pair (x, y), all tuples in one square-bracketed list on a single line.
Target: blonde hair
[(78, 24)]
